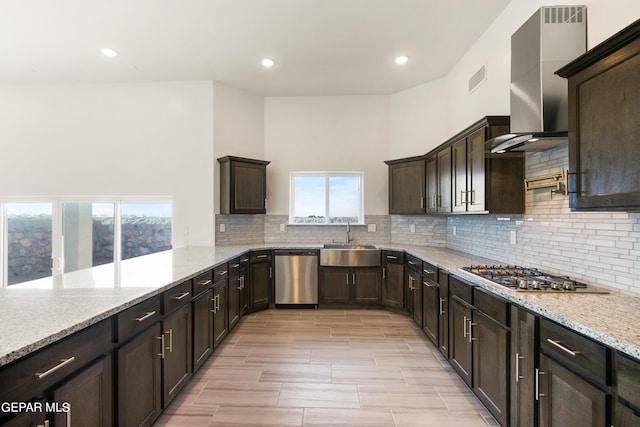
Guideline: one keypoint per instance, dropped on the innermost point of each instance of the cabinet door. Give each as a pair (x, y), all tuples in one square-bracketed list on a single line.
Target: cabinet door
[(335, 285), (460, 316), (430, 310), (393, 285), (139, 379), (417, 301), (490, 364), (444, 180), (406, 187), (260, 286), (89, 395), (202, 328), (234, 299), (475, 197), (565, 399), (432, 184), (220, 312), (459, 176), (604, 100), (243, 296), (249, 187), (522, 367), (443, 314), (366, 286), (176, 365)]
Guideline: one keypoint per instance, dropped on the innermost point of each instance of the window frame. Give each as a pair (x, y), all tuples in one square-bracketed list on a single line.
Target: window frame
[(57, 202), (327, 196)]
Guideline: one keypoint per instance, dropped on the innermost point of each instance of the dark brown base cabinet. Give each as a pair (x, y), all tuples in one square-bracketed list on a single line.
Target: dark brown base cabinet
[(353, 286), (443, 313), (260, 280), (176, 364), (627, 408), (202, 328), (393, 280), (523, 352), (89, 395), (430, 310), (220, 312), (565, 399), (461, 356), (139, 377)]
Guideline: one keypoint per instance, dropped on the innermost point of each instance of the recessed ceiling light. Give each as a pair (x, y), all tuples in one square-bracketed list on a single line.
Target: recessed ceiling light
[(268, 62), (401, 60), (109, 52)]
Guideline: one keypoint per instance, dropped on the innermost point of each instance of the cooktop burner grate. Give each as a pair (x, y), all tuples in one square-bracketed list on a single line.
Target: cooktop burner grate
[(529, 279)]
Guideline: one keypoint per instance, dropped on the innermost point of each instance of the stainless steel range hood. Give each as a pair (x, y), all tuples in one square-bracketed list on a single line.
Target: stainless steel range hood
[(551, 38)]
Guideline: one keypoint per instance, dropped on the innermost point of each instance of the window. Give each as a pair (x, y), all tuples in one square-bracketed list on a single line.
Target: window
[(326, 198), (43, 238)]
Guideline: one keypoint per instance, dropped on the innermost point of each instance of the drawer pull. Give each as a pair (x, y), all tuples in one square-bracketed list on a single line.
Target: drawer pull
[(392, 257), (62, 364), (222, 273), (428, 271), (204, 282), (262, 256), (146, 316), (244, 260), (235, 265), (424, 282), (561, 347), (181, 296)]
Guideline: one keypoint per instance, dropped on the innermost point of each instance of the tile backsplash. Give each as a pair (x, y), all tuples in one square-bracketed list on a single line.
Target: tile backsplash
[(602, 248)]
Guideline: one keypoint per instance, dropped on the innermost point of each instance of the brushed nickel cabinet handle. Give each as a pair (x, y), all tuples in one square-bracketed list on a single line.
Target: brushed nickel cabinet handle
[(222, 273), (145, 316), (181, 296), (392, 257), (235, 265), (62, 364), (384, 273), (538, 373), (518, 376), (170, 332), (262, 256), (204, 282), (353, 279), (442, 306), (563, 348), (471, 324), (161, 338), (464, 327), (244, 260)]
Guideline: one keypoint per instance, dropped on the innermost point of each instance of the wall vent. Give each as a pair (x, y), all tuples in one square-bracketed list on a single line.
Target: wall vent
[(478, 78), (563, 15)]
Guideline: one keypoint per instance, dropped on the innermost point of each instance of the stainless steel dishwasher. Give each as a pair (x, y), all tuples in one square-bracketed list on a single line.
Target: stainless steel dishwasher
[(296, 277)]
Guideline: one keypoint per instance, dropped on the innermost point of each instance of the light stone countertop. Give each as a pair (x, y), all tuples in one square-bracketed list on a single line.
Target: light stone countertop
[(40, 312)]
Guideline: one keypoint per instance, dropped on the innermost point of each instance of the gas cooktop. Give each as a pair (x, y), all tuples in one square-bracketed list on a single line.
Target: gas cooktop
[(530, 279)]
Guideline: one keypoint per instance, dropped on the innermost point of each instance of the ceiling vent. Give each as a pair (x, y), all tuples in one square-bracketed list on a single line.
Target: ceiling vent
[(478, 78)]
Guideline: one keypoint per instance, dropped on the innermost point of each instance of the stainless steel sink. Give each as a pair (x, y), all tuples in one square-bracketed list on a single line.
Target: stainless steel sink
[(337, 255)]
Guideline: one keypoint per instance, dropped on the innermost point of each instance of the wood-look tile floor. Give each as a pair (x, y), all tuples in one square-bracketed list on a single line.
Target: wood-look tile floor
[(327, 367)]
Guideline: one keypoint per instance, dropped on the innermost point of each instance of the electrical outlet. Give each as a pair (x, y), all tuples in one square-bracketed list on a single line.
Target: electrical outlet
[(412, 228), (222, 228), (455, 230), (512, 237), (282, 227)]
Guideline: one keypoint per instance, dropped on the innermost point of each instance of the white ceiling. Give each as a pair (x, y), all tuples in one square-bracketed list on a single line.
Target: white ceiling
[(321, 47)]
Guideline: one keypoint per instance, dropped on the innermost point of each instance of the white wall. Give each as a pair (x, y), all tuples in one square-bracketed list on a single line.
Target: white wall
[(460, 109), (238, 127), (138, 139), (332, 133)]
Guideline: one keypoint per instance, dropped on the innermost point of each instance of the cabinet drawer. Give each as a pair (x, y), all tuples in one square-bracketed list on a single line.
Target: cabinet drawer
[(463, 290), (494, 307), (430, 271), (395, 257), (220, 272), (202, 282), (628, 372), (138, 318), (413, 262), (239, 263), (576, 351), (28, 377), (176, 297), (260, 256)]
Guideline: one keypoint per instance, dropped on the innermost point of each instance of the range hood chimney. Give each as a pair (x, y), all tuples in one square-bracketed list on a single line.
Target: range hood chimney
[(551, 38)]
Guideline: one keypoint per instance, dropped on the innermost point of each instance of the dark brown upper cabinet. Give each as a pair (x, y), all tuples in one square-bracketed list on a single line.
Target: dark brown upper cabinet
[(243, 185), (604, 126), (407, 185)]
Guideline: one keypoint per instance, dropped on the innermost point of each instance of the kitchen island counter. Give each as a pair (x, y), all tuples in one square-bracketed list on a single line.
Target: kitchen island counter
[(37, 313)]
